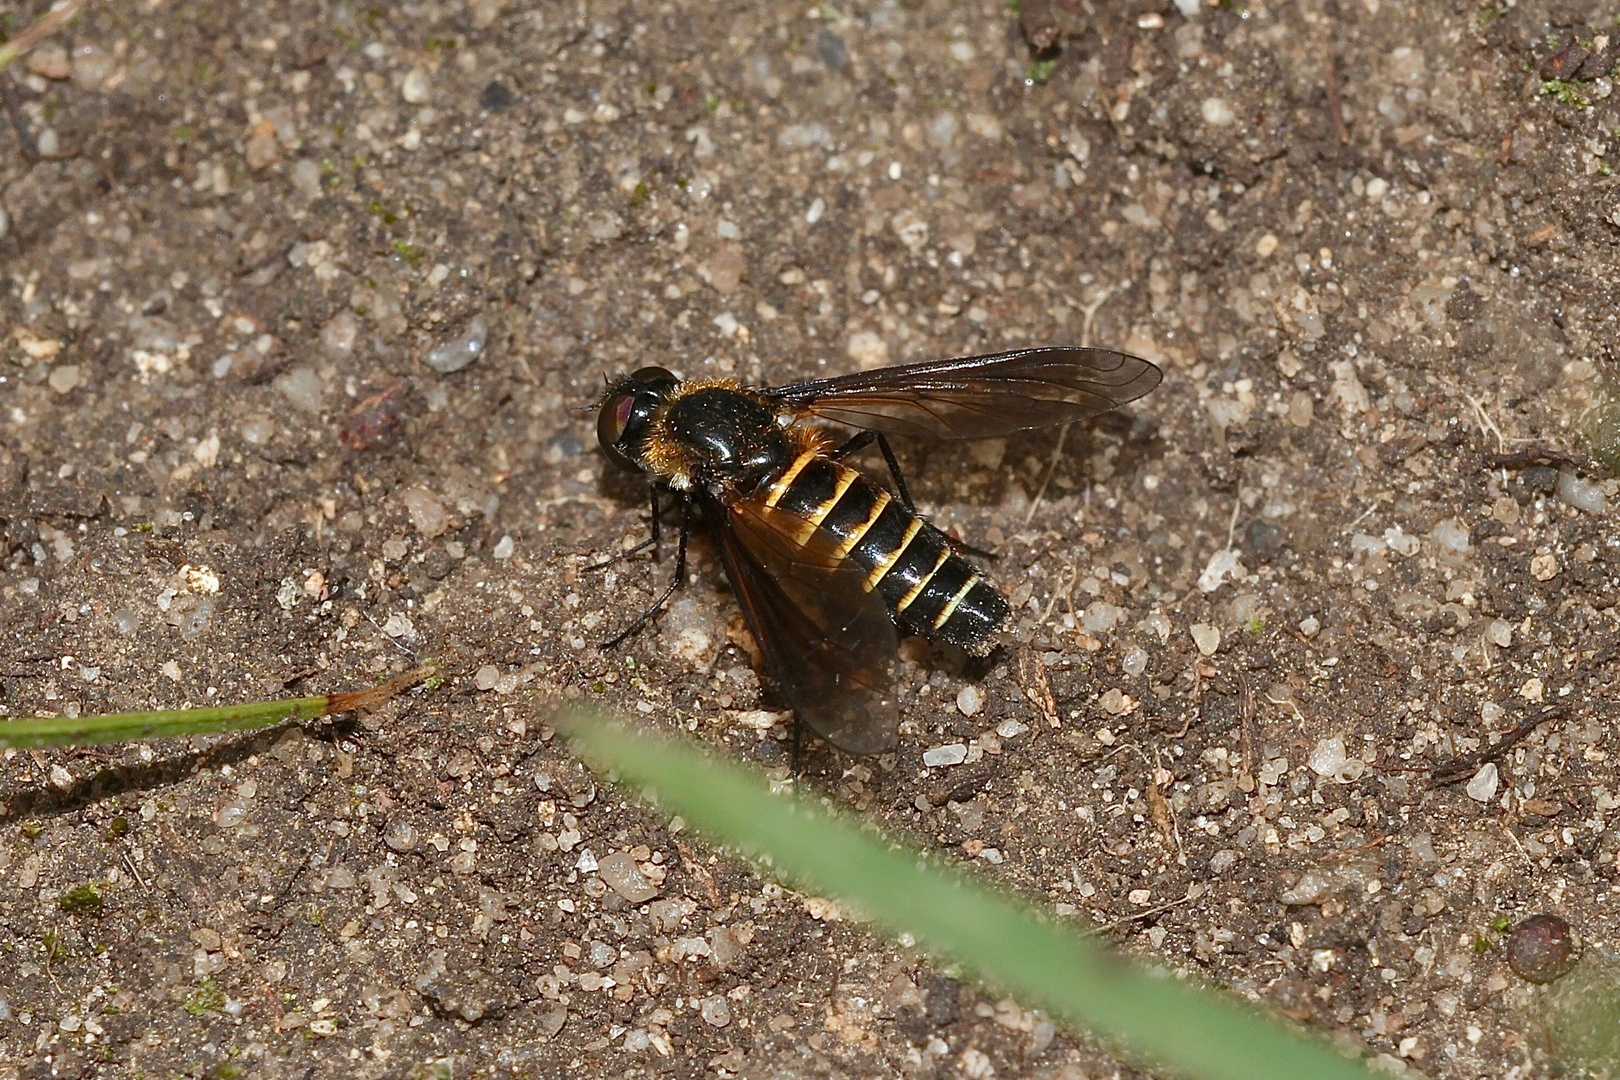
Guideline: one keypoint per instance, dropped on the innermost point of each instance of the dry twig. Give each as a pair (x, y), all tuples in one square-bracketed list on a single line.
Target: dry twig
[(43, 27), (1461, 768)]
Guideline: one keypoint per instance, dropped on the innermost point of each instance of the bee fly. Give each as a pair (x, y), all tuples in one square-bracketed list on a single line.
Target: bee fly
[(826, 564)]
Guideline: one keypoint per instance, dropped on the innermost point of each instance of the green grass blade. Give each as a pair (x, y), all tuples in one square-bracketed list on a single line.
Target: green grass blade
[(134, 726), (17, 733), (954, 914)]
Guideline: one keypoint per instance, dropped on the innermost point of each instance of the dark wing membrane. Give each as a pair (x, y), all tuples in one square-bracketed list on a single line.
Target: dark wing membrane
[(829, 645), (976, 397)]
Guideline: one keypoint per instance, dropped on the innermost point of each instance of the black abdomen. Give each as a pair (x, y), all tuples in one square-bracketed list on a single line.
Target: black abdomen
[(929, 589)]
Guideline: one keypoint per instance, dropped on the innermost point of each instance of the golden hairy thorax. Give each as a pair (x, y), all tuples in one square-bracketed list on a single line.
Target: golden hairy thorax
[(677, 462)]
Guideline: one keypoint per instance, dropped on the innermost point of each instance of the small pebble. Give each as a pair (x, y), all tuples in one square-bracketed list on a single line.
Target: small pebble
[(91, 65), (1328, 757), (487, 677), (64, 378), (50, 60), (1223, 566), (1565, 63), (1581, 494), (969, 700), (400, 835), (1266, 245), (416, 89), (1500, 631), (262, 149), (1312, 886), (503, 548), (1135, 661), (306, 177), (1100, 617), (428, 515), (725, 269), (1206, 637), (459, 352), (716, 1012), (1310, 626), (868, 350), (942, 130), (1482, 788), (621, 874), (194, 622), (1263, 537), (1543, 948), (1451, 534), (339, 334), (1544, 567), (690, 631), (302, 387), (1216, 112), (951, 754)]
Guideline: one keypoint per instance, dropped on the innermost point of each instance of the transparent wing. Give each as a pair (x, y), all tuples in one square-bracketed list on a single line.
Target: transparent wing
[(829, 644), (976, 397)]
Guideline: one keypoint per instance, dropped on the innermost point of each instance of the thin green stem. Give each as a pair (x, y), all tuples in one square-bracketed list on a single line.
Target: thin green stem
[(135, 726)]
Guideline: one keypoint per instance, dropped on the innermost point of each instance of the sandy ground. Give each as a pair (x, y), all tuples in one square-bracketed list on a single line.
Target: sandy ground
[(1371, 243)]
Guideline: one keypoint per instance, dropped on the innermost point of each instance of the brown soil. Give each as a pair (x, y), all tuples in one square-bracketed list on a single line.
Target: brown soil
[(1371, 243)]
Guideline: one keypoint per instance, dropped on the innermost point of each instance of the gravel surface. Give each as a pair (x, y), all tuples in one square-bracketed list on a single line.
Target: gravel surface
[(304, 306)]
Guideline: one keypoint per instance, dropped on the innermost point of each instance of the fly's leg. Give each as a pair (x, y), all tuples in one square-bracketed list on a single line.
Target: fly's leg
[(867, 438), (677, 582), (650, 542)]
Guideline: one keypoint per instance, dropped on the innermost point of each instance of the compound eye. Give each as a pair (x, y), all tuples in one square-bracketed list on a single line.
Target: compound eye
[(610, 425)]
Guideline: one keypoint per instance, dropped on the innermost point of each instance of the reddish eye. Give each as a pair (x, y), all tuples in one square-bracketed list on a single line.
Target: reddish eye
[(610, 425)]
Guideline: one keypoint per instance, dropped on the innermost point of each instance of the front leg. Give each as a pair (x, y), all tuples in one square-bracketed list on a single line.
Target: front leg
[(650, 542), (677, 582)]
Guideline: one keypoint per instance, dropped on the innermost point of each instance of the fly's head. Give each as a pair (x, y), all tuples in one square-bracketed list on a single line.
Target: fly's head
[(624, 422)]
